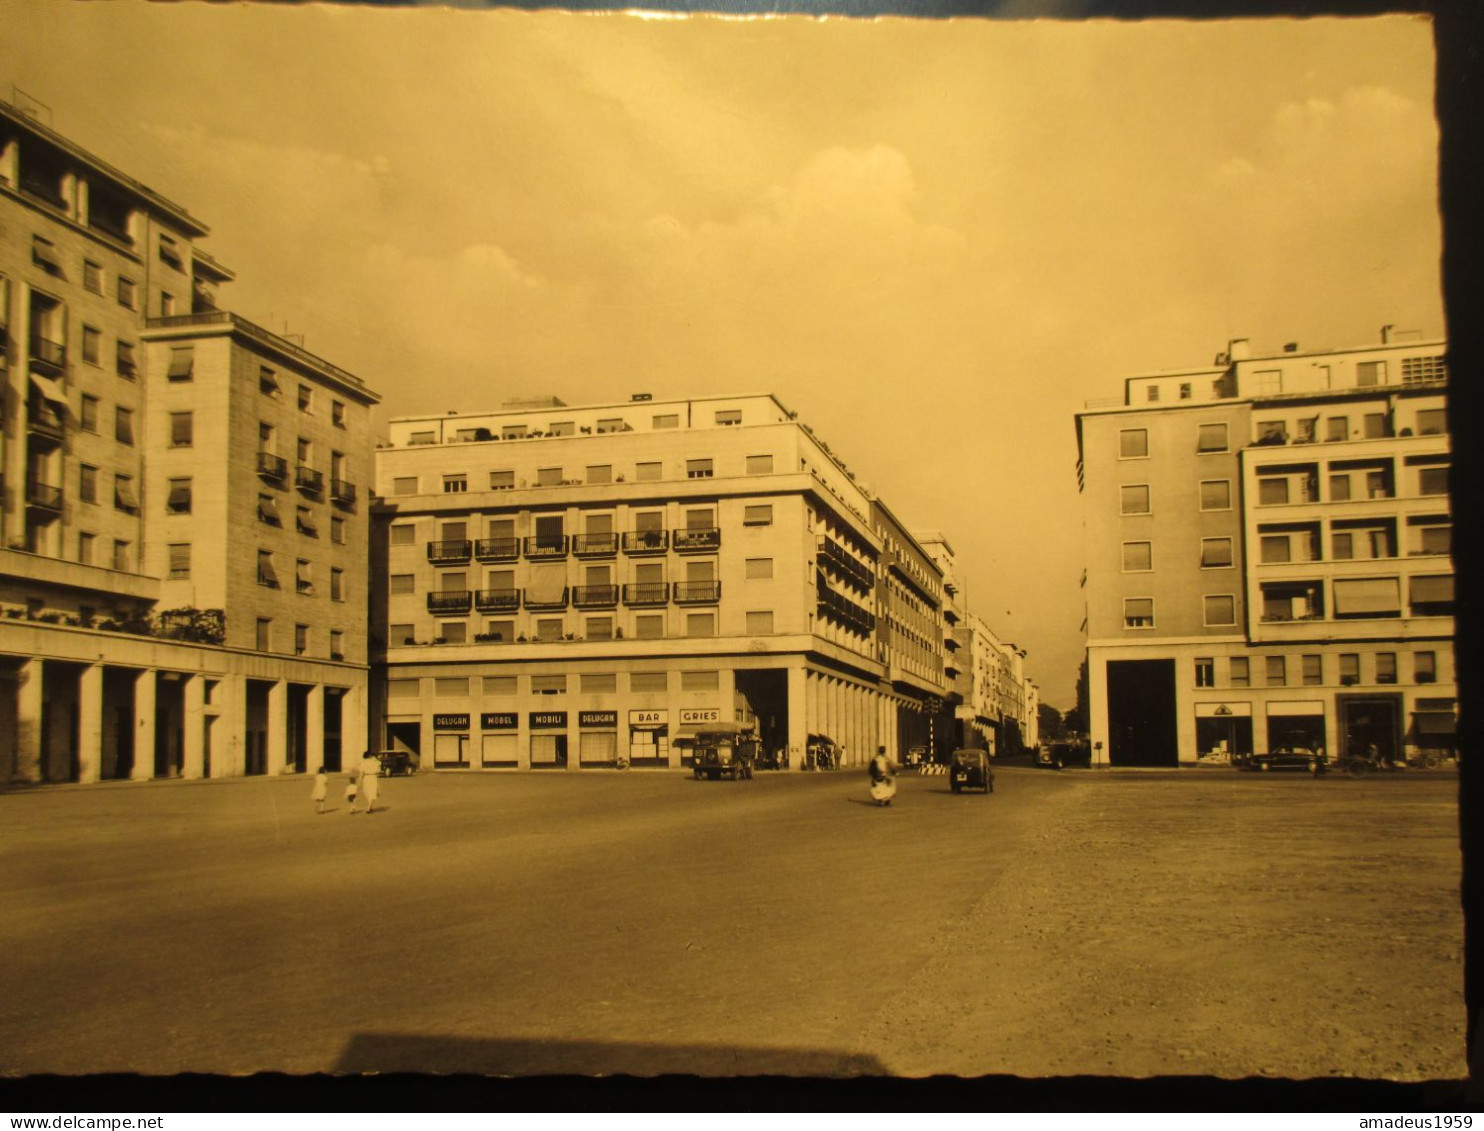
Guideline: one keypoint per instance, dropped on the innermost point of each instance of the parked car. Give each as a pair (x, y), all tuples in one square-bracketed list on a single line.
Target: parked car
[(970, 769), (1063, 752), (397, 763), (1285, 758), (724, 754)]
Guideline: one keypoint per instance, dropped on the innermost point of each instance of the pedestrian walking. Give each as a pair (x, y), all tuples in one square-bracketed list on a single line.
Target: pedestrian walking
[(350, 789), (370, 771), (321, 789)]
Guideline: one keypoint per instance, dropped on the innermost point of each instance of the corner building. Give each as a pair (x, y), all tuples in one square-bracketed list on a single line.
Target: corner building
[(182, 546), (569, 586), (1269, 565)]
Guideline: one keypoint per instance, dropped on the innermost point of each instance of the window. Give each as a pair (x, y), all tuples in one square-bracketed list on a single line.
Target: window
[(92, 345), (1367, 597), (612, 424), (124, 498), (1432, 595), (1211, 438), (1436, 539), (123, 425), (1339, 487), (1275, 548), (760, 623), (1369, 373), (170, 253), (649, 681), (120, 554), (1133, 443), (1337, 428), (649, 626), (1385, 667), (548, 685), (123, 360), (1216, 495), (561, 428), (126, 293), (337, 529), (1239, 672), (454, 484), (1134, 499), (1138, 612), (597, 628), (181, 429), (451, 687), (700, 681), (167, 304), (1152, 393), (759, 568), (92, 276), (726, 416), (700, 624), (1216, 553), (1349, 668), (268, 510), (1425, 667), (1137, 557), (306, 399), (453, 631), (1415, 369), (1185, 391), (404, 485), (304, 522), (1432, 421), (178, 500), (1205, 672), (403, 534), (648, 472), (265, 634), (600, 473), (1272, 491), (87, 483), (267, 575), (180, 560), (1313, 668), (303, 577), (401, 634), (1267, 381), (500, 686), (85, 542), (1277, 671), (87, 418), (337, 644), (668, 420), (337, 413), (548, 476), (760, 465), (1219, 610), (1432, 480), (698, 469), (401, 583), (1272, 432), (513, 431), (759, 515), (1375, 425)]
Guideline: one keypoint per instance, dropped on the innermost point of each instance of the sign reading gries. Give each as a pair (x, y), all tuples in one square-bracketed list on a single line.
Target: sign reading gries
[(700, 715)]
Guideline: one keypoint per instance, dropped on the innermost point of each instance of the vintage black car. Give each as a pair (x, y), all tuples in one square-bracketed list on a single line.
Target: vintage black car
[(970, 769), (1063, 752), (397, 763), (724, 754), (1285, 758)]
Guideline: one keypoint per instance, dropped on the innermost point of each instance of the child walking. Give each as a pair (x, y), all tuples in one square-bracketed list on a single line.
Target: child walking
[(321, 789)]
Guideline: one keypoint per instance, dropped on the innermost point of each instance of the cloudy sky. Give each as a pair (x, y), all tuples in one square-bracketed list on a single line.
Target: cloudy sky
[(933, 239)]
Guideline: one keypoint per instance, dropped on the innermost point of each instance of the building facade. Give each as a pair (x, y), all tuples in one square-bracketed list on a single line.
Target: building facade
[(575, 587), (182, 547), (1269, 557)]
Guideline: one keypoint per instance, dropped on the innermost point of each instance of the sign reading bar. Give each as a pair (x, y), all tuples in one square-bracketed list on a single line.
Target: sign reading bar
[(450, 722), (548, 720), (700, 715), (504, 720), (597, 718), (649, 718)]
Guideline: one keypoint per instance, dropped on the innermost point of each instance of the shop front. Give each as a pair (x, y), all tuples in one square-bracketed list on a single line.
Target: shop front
[(649, 738), (499, 740)]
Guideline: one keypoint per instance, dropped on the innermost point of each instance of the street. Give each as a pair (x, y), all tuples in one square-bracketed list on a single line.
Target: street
[(1079, 922)]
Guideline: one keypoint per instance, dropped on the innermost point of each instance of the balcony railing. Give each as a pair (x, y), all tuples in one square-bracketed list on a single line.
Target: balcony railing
[(449, 601), (273, 467), (450, 552), (497, 549), (546, 546), (44, 495), (47, 353), (697, 592), (307, 479), (646, 593), (594, 596), (497, 600), (343, 491), (546, 601), (696, 541), (43, 420), (646, 541), (595, 545)]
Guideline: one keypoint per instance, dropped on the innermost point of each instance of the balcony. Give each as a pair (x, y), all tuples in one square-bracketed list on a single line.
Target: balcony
[(343, 491), (595, 596), (697, 541), (309, 481), (44, 421), (647, 593), (453, 552), (546, 546), (497, 600), (272, 467), (697, 592), (595, 545), (451, 602), (555, 600), (48, 354), (497, 549), (646, 541), (43, 496)]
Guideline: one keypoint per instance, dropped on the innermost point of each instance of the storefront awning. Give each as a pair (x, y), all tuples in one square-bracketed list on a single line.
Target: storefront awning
[(1434, 722), (1362, 596)]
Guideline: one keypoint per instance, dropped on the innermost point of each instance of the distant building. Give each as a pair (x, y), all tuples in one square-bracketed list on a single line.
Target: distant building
[(182, 542), (1269, 556), (570, 587)]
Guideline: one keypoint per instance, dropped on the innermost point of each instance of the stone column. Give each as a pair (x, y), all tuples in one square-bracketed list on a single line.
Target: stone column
[(353, 725), (90, 724), (798, 713), (29, 706), (278, 728), (144, 726), (193, 727), (314, 729)]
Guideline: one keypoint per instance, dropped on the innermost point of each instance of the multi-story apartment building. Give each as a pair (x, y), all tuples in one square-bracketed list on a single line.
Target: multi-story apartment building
[(573, 586), (1269, 543), (178, 598)]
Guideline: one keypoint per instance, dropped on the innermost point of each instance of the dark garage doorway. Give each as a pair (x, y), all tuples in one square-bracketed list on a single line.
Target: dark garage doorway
[(1141, 713)]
